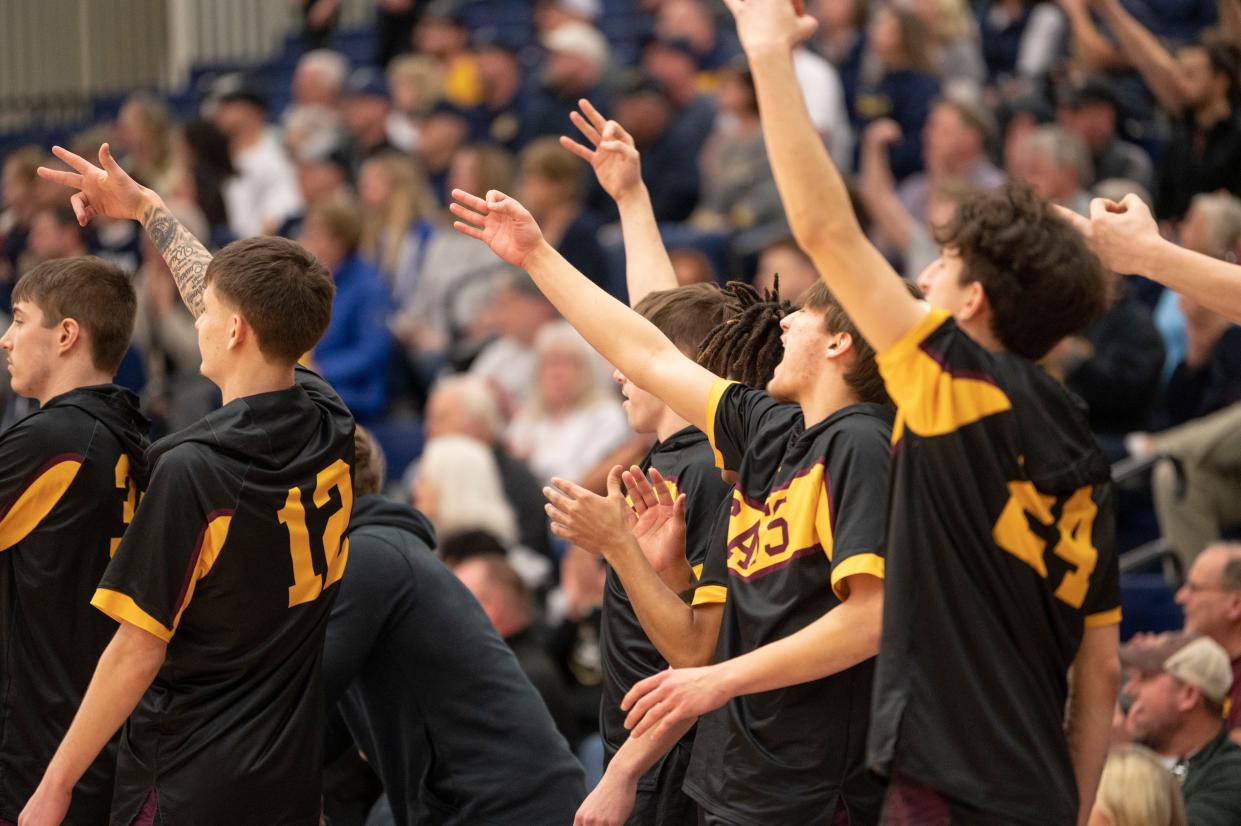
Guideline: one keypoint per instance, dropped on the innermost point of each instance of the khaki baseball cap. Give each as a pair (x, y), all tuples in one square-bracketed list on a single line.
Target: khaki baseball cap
[(1199, 661)]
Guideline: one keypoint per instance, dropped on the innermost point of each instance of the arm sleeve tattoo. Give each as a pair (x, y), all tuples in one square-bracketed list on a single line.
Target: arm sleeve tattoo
[(186, 257)]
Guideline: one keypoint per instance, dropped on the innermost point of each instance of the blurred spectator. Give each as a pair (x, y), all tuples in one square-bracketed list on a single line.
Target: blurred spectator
[(1091, 111), (551, 185), (144, 132), (441, 33), (263, 193), (1136, 789), (1056, 165), (517, 313), (55, 233), (691, 266), (577, 58), (825, 101), (841, 39), (319, 21), (644, 109), (574, 613), (671, 62), (397, 211), (552, 14), (1211, 599), (414, 82), (784, 260), (322, 175), (955, 50), (318, 79), (1209, 375), (739, 196), (314, 130), (17, 189), (900, 85), (354, 351), (394, 23), (954, 145), (1023, 116), (1178, 687), (1196, 89), (1021, 39), (177, 395), (456, 483), (464, 405), (1114, 366), (509, 605), (572, 420), (441, 133), (367, 107), (714, 46), (204, 153), (502, 116)]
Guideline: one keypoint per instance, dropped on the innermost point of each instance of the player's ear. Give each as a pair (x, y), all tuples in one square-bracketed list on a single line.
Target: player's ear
[(838, 344), (238, 331), (67, 334), (975, 301)]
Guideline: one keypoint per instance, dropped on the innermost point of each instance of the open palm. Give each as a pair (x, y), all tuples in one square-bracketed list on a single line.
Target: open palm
[(500, 222), (659, 526)]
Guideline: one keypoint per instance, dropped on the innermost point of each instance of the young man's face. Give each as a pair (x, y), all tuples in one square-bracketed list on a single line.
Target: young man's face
[(941, 283), (642, 409), (214, 327), (29, 349), (805, 343)]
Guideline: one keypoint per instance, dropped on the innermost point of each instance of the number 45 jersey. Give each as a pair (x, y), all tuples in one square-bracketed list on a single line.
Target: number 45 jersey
[(233, 558), (1001, 554)]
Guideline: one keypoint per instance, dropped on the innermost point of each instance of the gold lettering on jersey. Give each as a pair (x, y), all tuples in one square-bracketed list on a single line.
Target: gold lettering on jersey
[(126, 483), (308, 583), (792, 522), (1074, 545)]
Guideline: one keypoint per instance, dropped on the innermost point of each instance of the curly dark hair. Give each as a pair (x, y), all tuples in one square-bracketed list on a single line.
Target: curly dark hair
[(1041, 280), (746, 346)]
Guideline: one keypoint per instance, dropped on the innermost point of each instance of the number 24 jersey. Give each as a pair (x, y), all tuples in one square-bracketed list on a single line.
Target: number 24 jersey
[(233, 558)]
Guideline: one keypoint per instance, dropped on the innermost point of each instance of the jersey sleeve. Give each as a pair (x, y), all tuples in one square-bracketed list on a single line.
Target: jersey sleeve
[(37, 467), (712, 587), (852, 518), (174, 540), (735, 413), (939, 378)]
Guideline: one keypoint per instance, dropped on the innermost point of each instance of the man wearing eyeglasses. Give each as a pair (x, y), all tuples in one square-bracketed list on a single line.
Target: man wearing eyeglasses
[(1211, 599)]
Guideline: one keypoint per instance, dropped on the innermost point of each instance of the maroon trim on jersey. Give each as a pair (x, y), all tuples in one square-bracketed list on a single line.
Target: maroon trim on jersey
[(198, 549)]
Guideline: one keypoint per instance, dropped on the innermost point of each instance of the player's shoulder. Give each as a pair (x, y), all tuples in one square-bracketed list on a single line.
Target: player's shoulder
[(863, 421)]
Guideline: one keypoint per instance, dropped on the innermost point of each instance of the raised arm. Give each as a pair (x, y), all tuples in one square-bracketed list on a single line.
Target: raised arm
[(1230, 21), (1093, 681), (1095, 50), (108, 190), (627, 340), (814, 195), (618, 169), (1156, 65), (1126, 238), (878, 188)]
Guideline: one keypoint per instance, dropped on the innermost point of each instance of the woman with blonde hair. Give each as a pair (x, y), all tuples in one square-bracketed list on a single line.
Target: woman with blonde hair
[(572, 420), (144, 129), (1136, 790), (954, 41), (457, 486), (395, 198)]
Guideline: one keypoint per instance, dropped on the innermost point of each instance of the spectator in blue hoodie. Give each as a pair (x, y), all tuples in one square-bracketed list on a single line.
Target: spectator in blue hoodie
[(353, 353)]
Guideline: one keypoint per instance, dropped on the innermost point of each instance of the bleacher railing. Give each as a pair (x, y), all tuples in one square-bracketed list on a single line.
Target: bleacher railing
[(57, 56)]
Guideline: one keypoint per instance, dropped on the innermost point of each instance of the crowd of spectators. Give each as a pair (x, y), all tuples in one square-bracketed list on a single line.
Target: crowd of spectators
[(432, 338)]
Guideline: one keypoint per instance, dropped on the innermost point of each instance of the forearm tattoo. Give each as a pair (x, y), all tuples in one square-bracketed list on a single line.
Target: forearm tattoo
[(186, 257)]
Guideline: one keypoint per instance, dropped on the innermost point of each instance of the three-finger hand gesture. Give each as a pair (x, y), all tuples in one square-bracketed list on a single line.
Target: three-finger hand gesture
[(102, 190), (614, 158), (500, 222)]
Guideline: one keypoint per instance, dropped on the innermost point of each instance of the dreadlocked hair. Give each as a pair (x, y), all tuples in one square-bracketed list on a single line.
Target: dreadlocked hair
[(746, 346)]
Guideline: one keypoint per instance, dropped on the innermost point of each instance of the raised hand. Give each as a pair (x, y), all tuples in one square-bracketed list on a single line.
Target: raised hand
[(614, 158), (1121, 234), (500, 222), (659, 702), (103, 190), (660, 524), (586, 519), (766, 25), (882, 133)]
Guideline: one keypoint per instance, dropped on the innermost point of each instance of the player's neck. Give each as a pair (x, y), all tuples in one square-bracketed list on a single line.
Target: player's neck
[(669, 425), (71, 378), (252, 379), (979, 329), (824, 398)]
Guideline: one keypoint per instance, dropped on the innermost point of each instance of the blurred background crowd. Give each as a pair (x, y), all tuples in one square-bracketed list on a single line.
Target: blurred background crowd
[(349, 137)]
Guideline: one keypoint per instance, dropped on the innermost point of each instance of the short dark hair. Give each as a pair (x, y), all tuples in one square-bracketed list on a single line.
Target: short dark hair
[(686, 314), (863, 376), (1041, 280), (94, 293), (369, 464), (281, 290)]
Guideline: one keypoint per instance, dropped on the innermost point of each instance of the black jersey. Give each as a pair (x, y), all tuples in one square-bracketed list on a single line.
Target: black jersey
[(1002, 552), (809, 510), (627, 654), (233, 558), (69, 480), (432, 695)]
